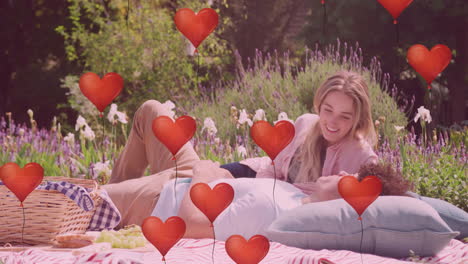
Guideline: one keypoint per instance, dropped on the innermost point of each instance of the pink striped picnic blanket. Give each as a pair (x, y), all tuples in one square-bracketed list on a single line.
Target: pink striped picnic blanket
[(199, 251)]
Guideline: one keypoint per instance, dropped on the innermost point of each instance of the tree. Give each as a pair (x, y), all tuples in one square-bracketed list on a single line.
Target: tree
[(266, 25), (31, 58)]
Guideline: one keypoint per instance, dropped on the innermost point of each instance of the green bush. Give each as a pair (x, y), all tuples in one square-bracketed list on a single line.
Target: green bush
[(437, 170)]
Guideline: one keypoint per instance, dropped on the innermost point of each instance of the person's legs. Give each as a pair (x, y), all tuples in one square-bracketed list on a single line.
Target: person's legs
[(239, 170), (143, 148), (136, 196), (197, 224)]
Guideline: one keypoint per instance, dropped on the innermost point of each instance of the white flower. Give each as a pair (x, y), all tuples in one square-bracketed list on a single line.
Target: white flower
[(189, 49), (259, 115), (80, 122), (243, 118), (121, 117), (70, 138), (88, 133), (102, 169), (168, 105), (30, 113), (112, 113), (241, 151), (398, 128), (217, 141), (283, 116), (21, 131), (209, 125), (136, 74), (424, 114)]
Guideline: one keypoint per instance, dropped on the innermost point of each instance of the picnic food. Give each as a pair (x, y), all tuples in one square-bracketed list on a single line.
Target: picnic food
[(73, 240), (128, 237)]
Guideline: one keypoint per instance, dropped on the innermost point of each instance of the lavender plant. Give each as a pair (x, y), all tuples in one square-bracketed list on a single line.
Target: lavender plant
[(58, 155), (438, 168)]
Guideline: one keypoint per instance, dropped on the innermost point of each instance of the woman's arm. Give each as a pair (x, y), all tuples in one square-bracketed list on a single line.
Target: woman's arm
[(197, 224), (324, 189)]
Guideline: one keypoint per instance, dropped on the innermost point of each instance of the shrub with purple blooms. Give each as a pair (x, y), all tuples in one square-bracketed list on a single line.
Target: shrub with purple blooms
[(84, 157)]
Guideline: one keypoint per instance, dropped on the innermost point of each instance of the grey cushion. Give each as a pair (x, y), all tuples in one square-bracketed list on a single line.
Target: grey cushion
[(455, 217), (392, 226)]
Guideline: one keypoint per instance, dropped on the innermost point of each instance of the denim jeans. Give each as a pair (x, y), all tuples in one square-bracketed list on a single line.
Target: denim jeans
[(239, 170)]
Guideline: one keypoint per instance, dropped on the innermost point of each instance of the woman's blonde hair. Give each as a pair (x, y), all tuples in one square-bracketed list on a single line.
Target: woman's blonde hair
[(353, 85)]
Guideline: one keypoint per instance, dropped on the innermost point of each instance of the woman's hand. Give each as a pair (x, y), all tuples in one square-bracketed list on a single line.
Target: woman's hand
[(324, 189)]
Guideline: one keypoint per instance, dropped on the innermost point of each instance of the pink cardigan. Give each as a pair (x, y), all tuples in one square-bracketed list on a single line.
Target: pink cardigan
[(347, 155)]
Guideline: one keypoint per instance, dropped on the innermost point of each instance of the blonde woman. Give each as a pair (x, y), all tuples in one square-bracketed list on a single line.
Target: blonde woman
[(336, 140)]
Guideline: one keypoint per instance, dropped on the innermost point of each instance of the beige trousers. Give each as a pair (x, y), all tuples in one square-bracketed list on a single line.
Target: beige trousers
[(136, 195)]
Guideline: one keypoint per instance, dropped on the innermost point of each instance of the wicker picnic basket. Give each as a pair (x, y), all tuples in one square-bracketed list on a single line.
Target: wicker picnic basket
[(48, 213)]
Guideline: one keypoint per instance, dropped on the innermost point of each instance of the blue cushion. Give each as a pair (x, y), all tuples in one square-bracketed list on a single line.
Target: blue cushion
[(455, 217), (392, 226)]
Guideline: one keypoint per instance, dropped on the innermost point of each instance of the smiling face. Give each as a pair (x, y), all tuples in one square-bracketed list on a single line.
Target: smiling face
[(337, 116)]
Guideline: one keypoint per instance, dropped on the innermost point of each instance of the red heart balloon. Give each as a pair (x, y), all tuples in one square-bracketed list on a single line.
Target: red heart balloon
[(395, 7), (101, 92), (272, 139), (444, 53), (429, 63), (211, 202), (243, 252), (163, 235), (196, 27), (21, 181), (360, 194), (174, 135)]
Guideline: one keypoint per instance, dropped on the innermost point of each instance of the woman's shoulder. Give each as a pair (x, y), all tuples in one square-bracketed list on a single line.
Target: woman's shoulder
[(357, 149)]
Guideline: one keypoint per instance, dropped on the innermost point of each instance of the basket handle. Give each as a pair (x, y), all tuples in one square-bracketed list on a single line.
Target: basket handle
[(95, 191)]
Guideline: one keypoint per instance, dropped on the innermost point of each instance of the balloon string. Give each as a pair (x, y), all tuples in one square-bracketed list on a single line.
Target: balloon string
[(175, 182), (126, 19), (24, 222), (128, 13), (397, 31), (324, 18), (198, 67), (102, 142), (214, 241), (362, 234), (274, 184)]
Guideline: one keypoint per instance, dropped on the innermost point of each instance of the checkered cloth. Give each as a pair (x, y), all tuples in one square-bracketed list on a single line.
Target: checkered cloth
[(77, 193), (107, 216)]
